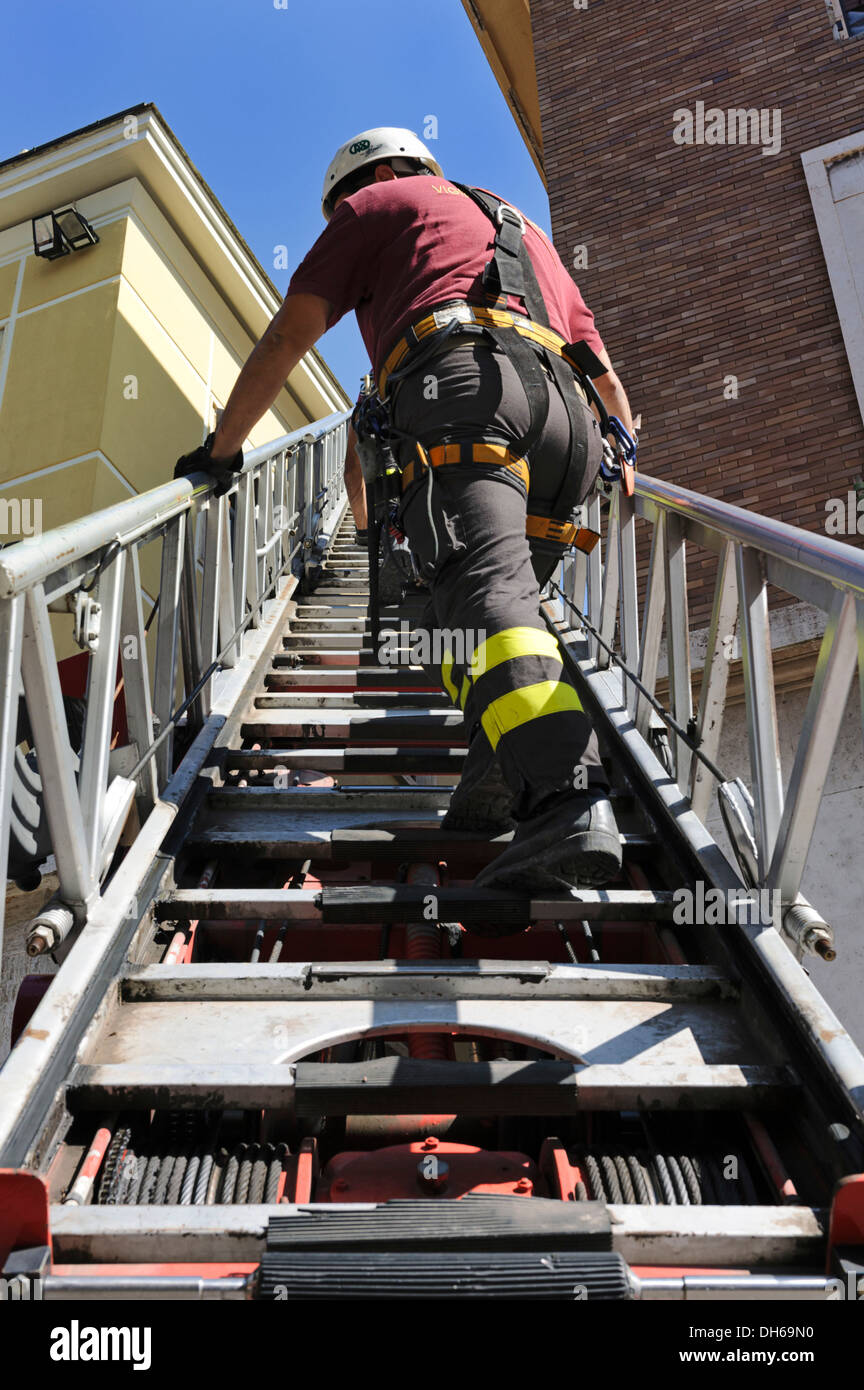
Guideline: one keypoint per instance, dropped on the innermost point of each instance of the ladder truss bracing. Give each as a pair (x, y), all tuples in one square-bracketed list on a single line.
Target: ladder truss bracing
[(284, 1019)]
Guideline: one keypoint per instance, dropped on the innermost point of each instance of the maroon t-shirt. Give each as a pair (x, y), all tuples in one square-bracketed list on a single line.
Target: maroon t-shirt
[(397, 248)]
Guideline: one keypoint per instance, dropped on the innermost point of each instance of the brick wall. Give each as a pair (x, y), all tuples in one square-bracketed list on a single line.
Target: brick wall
[(704, 261)]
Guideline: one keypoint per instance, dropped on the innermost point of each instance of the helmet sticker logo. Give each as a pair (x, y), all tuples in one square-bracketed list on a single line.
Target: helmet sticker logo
[(359, 146)]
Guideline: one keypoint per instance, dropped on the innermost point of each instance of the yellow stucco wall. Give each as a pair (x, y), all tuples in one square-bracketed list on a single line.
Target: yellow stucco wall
[(8, 277), (118, 357), (155, 398), (123, 350), (47, 281), (55, 389)]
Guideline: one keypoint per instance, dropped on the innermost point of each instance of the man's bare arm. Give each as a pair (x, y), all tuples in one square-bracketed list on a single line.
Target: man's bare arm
[(294, 329), (612, 393), (354, 482)]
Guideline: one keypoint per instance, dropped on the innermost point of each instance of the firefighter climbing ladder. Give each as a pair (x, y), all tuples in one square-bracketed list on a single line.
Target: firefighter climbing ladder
[(288, 1043)]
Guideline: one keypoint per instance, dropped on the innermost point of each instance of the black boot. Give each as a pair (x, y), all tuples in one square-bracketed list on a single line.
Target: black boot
[(571, 844), (483, 800)]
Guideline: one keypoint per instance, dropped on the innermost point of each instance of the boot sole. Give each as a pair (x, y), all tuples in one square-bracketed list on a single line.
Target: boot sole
[(587, 861)]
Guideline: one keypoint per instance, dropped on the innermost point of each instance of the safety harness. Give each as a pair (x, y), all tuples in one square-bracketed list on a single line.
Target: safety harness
[(532, 345)]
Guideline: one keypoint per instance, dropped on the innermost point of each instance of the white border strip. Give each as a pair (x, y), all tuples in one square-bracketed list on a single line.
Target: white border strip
[(834, 249)]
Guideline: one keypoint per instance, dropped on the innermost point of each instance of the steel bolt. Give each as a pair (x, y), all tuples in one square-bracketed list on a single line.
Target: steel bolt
[(523, 1185)]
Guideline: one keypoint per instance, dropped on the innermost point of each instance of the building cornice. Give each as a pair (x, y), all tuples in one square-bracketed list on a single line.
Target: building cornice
[(137, 143), (503, 28)]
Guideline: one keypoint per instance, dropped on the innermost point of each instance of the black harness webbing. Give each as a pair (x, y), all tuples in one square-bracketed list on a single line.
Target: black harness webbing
[(511, 271)]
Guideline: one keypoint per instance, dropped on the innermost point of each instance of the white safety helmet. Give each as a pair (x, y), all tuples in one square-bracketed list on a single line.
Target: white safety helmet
[(373, 147)]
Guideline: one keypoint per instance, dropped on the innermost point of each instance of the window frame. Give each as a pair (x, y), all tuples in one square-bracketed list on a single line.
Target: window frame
[(838, 258)]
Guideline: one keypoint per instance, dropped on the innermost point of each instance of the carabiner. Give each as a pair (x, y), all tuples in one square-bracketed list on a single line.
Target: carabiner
[(623, 455)]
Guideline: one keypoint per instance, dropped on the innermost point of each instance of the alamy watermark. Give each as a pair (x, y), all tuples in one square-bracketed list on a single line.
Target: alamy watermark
[(735, 125), (439, 646), (77, 1343), (21, 1288), (703, 906), (20, 516), (845, 514)]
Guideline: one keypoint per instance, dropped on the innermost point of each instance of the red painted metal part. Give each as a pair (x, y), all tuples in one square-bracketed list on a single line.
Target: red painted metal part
[(24, 1219), (559, 1174), (81, 1188), (183, 942), (412, 1170), (847, 1215), (73, 671), (305, 1173), (764, 1144), (29, 997)]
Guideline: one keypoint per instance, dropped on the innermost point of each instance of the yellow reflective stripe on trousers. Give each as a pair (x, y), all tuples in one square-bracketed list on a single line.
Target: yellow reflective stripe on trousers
[(464, 692), (446, 677), (513, 641), (518, 707)]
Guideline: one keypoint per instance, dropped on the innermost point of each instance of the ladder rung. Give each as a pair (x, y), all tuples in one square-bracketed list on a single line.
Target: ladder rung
[(393, 1085), (369, 678), (390, 761), (399, 1085), (391, 979), (354, 700), (730, 1236), (226, 904), (407, 903), (290, 835), (298, 800), (313, 657), (373, 723)]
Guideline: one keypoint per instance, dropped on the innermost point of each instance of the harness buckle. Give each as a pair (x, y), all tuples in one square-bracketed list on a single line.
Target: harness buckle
[(453, 313), (504, 213)]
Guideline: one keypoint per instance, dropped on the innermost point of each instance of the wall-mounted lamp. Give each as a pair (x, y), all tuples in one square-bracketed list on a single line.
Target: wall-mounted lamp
[(57, 233)]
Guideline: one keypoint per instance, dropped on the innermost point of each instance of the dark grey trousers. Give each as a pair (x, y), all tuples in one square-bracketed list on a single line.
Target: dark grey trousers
[(467, 531)]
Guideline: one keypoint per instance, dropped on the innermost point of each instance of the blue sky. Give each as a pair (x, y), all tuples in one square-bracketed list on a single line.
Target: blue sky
[(261, 98)]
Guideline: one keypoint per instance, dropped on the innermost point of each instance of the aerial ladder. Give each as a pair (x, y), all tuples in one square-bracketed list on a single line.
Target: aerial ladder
[(288, 1051)]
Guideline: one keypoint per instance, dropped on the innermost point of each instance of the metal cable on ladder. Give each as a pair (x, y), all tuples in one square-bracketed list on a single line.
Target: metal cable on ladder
[(655, 704)]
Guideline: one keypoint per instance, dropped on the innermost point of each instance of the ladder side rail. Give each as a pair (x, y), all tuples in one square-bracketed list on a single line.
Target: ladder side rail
[(11, 637), (715, 677), (209, 599), (611, 580), (56, 758), (595, 575), (753, 551), (167, 633), (629, 596), (678, 640), (190, 631), (652, 621), (835, 668), (101, 685), (805, 1007), (762, 733), (136, 680)]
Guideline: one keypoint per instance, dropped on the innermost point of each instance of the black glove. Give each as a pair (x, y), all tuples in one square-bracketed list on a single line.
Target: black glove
[(199, 461)]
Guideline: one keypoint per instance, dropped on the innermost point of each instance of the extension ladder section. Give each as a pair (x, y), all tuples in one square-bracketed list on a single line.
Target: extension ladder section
[(326, 1066)]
